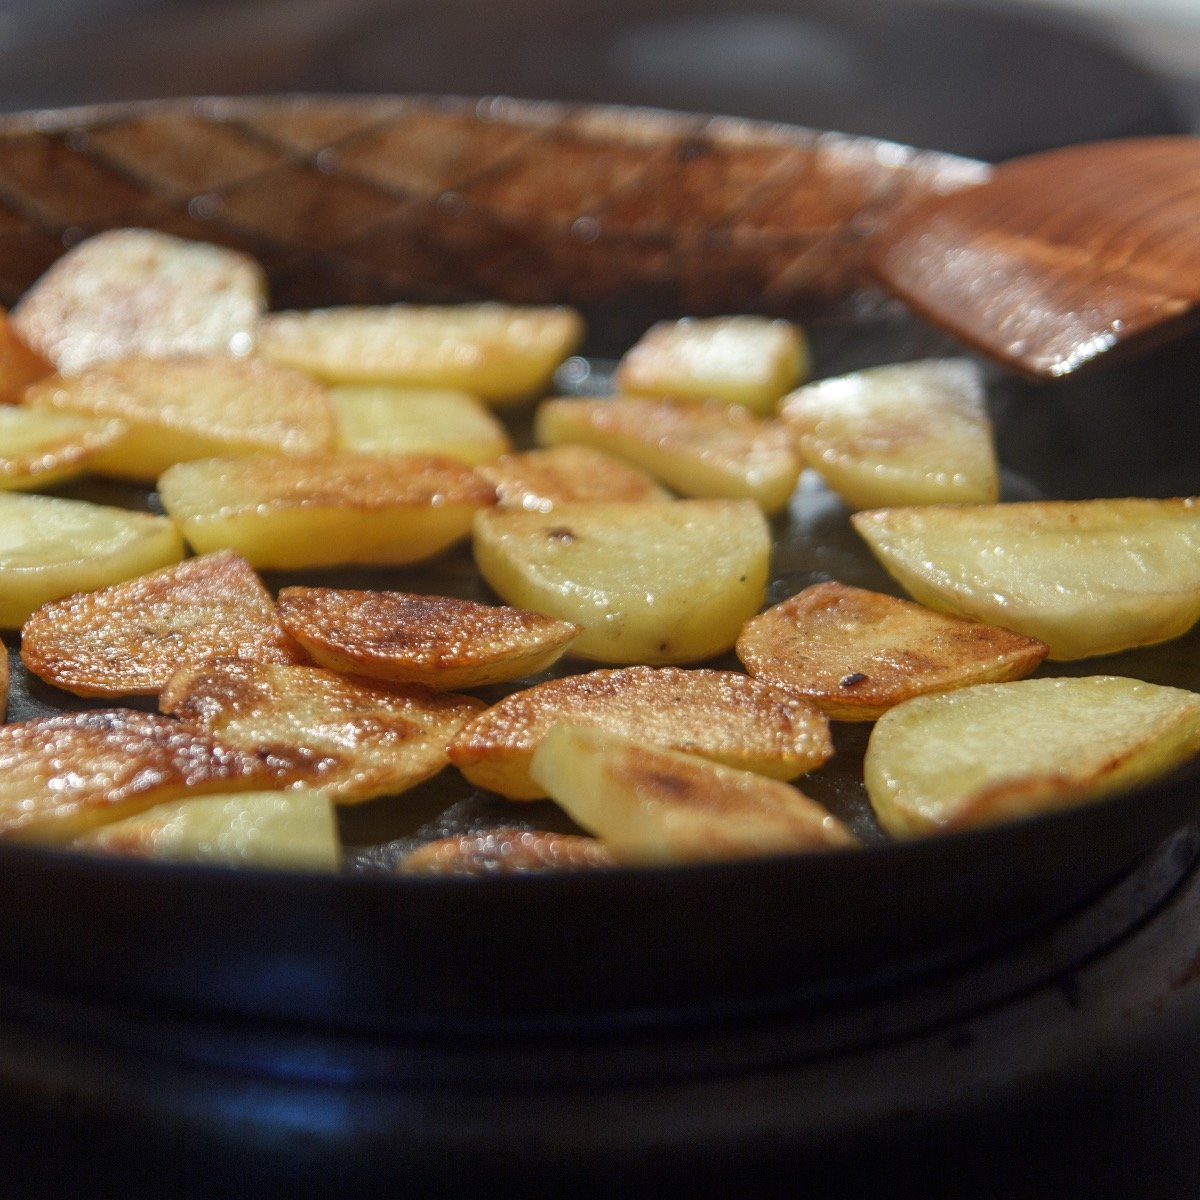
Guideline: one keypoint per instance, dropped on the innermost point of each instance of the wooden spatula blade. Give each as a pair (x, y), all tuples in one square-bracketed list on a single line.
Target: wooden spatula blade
[(1060, 260)]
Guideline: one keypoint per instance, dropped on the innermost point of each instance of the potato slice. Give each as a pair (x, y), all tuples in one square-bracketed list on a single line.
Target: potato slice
[(65, 774), (652, 805), (504, 851), (19, 365), (652, 583), (1086, 577), (855, 653), (51, 547), (393, 420), (707, 449), (499, 352), (379, 738), (136, 291), (325, 510), (721, 715), (129, 639), (909, 433), (295, 829), (999, 751), (742, 360), (439, 641), (40, 449), (181, 409), (537, 480)]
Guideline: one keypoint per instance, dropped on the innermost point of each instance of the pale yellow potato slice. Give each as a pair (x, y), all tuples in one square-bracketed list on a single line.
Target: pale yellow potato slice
[(294, 830), (136, 291), (439, 641), (652, 583), (40, 449), (855, 653), (652, 805), (705, 449), (908, 433), (130, 638), (742, 360), (51, 547), (375, 738), (506, 851), (722, 715), (19, 365), (324, 510), (537, 480), (999, 751), (393, 420), (65, 774), (181, 409), (1086, 577), (499, 352)]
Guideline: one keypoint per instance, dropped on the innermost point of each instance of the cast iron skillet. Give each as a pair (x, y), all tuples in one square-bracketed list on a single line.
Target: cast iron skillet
[(631, 215)]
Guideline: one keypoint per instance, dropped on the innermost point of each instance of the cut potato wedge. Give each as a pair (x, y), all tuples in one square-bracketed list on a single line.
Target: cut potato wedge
[(1000, 751), (651, 583), (325, 510), (393, 420), (720, 715), (376, 738), (129, 639), (19, 365), (652, 805), (505, 851), (51, 547), (40, 449), (63, 775), (138, 292), (702, 449), (439, 641), (910, 433), (295, 830), (1086, 577), (498, 352), (181, 409), (537, 480), (744, 360), (855, 654)]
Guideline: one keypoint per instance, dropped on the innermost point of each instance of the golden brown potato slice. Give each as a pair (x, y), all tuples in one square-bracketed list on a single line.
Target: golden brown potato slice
[(907, 433), (439, 641), (855, 653), (499, 352), (129, 639), (181, 409), (1000, 751), (40, 449), (741, 360), (379, 738), (705, 449), (721, 715), (1086, 577), (293, 829), (19, 365), (393, 420), (51, 547), (651, 583), (136, 291), (325, 510), (649, 804), (537, 480), (65, 774), (504, 851)]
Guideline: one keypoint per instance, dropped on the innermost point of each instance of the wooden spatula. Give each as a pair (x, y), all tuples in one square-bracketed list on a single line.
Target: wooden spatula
[(1061, 260)]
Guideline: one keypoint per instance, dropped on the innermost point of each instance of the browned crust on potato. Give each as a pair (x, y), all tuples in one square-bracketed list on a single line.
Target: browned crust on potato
[(506, 851)]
